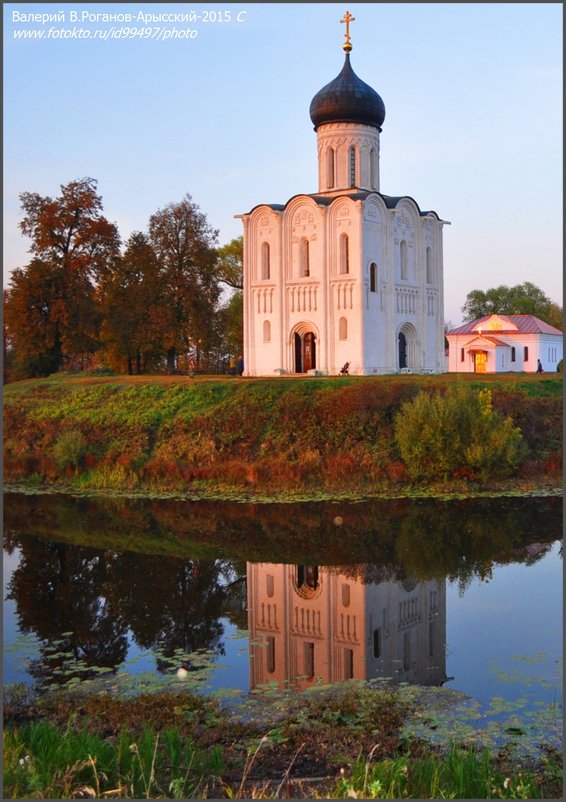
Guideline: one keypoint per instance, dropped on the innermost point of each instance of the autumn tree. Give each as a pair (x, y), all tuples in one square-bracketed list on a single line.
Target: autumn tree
[(134, 309), (31, 311), (522, 299), (70, 230), (230, 263), (184, 243), (73, 246)]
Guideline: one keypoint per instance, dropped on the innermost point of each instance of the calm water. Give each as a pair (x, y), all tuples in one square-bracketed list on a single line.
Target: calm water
[(126, 594)]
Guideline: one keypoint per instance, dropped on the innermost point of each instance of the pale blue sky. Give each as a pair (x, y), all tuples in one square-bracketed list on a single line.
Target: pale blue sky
[(473, 129)]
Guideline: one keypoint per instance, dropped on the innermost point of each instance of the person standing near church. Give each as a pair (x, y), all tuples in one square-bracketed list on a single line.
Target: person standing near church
[(539, 366)]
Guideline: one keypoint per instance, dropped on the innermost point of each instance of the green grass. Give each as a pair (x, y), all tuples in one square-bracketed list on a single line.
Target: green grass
[(43, 761), (460, 774)]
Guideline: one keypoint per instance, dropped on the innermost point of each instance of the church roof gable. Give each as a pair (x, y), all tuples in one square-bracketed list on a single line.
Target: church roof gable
[(486, 342), (390, 201)]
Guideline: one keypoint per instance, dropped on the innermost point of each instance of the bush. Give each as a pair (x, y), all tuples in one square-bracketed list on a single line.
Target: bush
[(439, 435), (560, 366), (69, 449)]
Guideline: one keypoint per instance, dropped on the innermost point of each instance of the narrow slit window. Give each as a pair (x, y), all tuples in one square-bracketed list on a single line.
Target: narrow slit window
[(428, 266), (344, 254), (330, 168), (373, 277), (304, 258), (309, 660), (265, 266), (352, 166), (377, 642), (404, 260), (348, 664), (270, 655)]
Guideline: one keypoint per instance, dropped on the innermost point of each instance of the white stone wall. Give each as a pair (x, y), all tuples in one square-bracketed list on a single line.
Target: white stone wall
[(412, 631), (351, 323), (339, 138)]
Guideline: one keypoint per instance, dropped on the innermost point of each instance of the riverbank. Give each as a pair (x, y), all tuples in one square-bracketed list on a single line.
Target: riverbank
[(258, 439), (345, 742)]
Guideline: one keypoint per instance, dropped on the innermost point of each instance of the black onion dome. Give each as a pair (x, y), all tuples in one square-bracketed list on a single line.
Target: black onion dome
[(347, 99)]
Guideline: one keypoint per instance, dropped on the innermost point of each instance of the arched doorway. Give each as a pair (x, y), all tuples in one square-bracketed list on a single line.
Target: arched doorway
[(402, 341), (407, 348), (305, 352)]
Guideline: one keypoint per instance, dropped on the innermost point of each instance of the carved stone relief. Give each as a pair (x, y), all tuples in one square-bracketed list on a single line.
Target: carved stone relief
[(372, 213), (303, 217), (404, 219)]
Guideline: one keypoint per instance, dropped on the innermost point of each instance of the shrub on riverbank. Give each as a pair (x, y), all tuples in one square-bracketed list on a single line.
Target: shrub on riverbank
[(446, 434), (295, 435)]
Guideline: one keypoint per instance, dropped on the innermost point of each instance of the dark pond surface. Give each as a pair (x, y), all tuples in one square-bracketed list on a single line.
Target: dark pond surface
[(232, 598)]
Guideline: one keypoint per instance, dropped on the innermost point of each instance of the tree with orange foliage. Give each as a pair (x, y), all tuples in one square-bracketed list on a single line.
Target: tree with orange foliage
[(184, 243), (134, 309), (52, 313)]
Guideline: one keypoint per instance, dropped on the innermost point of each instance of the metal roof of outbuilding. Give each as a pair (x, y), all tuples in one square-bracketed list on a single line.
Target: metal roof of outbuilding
[(525, 324)]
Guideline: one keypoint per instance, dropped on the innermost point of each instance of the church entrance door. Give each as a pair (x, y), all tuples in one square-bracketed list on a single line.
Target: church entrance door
[(309, 351), (402, 351), (298, 354), (305, 352), (480, 361)]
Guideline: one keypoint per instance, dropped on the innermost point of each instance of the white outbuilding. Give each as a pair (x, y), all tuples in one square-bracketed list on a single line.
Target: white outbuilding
[(502, 343), (347, 275)]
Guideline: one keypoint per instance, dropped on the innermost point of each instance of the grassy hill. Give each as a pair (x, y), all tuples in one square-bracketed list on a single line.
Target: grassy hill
[(227, 436)]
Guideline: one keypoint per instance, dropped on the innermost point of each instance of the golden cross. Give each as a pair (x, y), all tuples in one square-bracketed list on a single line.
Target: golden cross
[(348, 18)]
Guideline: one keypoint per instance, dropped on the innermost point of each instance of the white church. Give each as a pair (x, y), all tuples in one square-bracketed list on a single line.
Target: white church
[(347, 274)]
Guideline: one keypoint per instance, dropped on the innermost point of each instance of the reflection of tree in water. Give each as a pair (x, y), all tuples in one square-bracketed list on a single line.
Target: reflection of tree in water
[(425, 538), (60, 589), (98, 596), (173, 604)]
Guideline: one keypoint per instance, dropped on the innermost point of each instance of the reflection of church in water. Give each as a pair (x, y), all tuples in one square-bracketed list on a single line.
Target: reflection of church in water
[(308, 622)]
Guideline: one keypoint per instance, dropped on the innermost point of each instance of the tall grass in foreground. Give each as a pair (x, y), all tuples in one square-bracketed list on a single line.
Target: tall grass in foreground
[(458, 775), (41, 761)]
